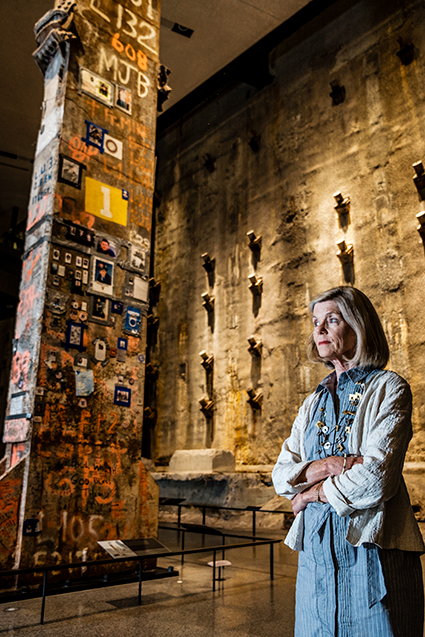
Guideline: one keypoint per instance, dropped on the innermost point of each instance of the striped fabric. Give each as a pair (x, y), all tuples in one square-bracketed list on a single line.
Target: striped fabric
[(344, 591)]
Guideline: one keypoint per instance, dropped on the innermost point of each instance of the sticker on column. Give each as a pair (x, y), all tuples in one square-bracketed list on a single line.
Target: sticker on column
[(74, 336), (56, 301), (96, 86), (137, 258), (81, 361), (122, 349), (107, 246), (99, 311), (103, 274), (80, 234), (84, 382), (112, 147), (95, 136), (122, 396), (117, 307), (123, 99), (101, 346), (136, 287), (70, 171), (105, 201), (132, 321)]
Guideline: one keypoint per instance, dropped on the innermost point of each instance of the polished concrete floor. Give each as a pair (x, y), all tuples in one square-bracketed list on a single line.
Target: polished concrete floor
[(245, 603)]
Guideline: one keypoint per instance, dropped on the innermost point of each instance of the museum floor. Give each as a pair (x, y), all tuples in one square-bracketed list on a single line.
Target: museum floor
[(246, 603)]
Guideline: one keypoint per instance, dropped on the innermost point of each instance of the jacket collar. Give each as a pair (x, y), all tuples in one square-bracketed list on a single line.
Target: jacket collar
[(356, 374)]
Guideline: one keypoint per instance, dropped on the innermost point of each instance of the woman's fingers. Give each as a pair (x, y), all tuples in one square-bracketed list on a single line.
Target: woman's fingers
[(296, 504)]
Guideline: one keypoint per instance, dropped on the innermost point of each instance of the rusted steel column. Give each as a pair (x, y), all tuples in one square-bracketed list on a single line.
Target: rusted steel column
[(75, 408)]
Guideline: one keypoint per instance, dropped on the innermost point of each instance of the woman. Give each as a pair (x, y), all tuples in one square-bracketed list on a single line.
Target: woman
[(359, 571)]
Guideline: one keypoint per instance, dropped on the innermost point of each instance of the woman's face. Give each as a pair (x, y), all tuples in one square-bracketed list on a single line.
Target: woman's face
[(334, 338)]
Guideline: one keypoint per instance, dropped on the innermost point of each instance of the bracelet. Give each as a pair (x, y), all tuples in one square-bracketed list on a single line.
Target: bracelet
[(317, 494), (345, 464)]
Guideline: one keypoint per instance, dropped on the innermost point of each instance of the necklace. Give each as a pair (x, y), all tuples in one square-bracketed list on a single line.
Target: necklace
[(342, 429)]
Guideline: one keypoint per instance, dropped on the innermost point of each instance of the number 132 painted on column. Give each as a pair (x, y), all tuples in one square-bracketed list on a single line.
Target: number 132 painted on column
[(129, 23)]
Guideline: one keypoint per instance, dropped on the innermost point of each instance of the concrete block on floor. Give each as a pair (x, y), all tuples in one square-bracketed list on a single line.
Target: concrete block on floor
[(203, 460)]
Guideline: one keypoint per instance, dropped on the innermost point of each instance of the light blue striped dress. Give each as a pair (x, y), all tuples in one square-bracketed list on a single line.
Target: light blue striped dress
[(342, 590)]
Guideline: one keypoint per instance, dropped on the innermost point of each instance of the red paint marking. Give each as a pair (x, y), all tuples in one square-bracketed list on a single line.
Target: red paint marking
[(79, 151), (130, 52), (21, 364), (93, 105), (85, 418), (26, 305), (37, 212), (30, 263), (100, 419), (87, 219), (108, 497), (114, 422)]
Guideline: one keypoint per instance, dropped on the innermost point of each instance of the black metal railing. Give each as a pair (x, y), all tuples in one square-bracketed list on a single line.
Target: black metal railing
[(183, 552), (182, 503)]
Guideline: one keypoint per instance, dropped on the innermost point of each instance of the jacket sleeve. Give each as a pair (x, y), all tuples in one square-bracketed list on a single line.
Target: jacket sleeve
[(386, 435), (290, 464)]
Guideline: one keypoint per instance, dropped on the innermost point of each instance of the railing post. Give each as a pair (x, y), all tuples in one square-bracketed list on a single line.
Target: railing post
[(271, 561), (214, 559), (43, 600), (253, 522), (139, 598)]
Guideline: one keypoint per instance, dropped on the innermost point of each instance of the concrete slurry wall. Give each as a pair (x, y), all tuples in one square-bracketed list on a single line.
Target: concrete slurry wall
[(214, 188)]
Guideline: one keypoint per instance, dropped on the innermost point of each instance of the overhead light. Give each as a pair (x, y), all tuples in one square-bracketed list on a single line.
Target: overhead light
[(176, 27), (181, 30)]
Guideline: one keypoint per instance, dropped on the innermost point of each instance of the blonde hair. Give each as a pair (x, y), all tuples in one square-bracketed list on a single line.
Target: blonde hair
[(356, 310)]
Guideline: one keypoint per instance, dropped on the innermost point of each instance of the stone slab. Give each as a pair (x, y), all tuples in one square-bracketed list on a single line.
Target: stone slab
[(220, 489), (203, 460)]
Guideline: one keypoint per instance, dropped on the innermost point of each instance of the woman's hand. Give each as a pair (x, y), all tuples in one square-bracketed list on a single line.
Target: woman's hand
[(298, 503), (335, 464), (316, 473), (327, 467), (314, 493)]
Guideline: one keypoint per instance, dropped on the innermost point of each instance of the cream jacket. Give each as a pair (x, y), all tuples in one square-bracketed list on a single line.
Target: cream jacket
[(373, 494)]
